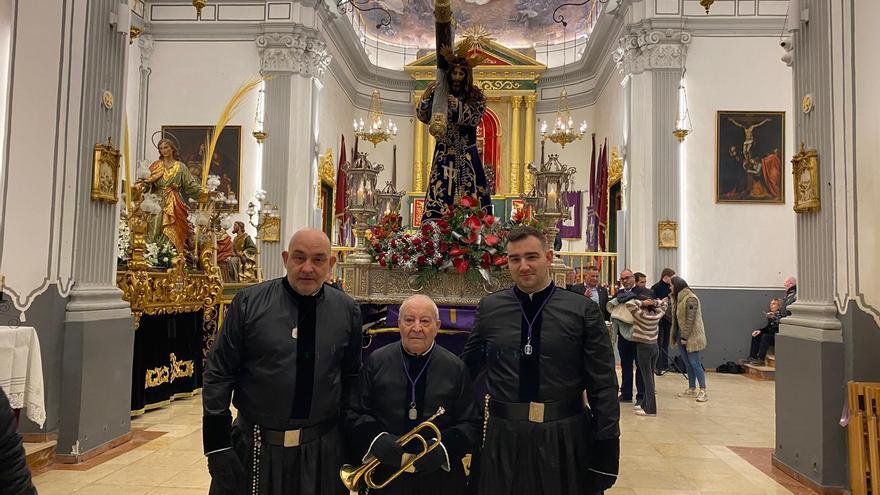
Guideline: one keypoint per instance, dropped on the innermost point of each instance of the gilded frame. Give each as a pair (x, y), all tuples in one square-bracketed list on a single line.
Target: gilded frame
[(667, 234), (105, 173), (269, 229), (805, 169)]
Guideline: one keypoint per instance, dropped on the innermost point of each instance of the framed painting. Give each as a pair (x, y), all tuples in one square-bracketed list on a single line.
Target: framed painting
[(105, 173), (226, 162), (748, 157), (570, 228)]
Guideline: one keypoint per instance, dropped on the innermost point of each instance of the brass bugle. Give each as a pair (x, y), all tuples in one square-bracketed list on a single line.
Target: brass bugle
[(352, 477)]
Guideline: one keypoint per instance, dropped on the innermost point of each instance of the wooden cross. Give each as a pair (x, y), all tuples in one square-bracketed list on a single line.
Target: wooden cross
[(449, 175)]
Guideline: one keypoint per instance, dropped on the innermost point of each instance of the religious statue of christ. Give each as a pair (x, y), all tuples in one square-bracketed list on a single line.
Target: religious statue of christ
[(456, 169)]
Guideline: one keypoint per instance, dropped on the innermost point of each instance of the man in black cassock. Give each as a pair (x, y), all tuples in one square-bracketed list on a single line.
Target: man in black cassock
[(403, 384), (541, 347), (288, 355)]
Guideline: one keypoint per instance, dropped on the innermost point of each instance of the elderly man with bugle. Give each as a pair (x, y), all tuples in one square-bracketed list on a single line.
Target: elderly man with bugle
[(402, 385)]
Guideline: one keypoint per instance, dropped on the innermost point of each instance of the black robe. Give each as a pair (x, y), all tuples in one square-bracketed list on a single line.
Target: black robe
[(283, 383), (571, 353), (384, 402)]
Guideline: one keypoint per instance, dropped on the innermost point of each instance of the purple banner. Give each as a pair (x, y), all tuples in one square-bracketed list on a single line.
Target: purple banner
[(571, 228), (451, 317)]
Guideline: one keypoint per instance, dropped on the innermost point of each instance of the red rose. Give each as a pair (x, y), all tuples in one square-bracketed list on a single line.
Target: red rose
[(405, 257), (461, 265), (500, 260), (486, 261), (492, 240), (443, 224), (469, 201), (429, 250), (472, 238), (456, 251), (422, 260), (417, 241), (472, 222), (382, 262), (443, 246), (489, 219), (394, 259), (393, 244)]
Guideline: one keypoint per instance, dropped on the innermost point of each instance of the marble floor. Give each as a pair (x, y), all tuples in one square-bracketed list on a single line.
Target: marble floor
[(685, 450)]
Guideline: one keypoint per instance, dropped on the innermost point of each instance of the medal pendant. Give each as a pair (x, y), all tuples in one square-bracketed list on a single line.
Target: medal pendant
[(413, 413), (527, 350)]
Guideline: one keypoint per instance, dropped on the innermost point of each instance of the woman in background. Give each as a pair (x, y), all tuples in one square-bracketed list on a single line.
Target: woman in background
[(647, 313), (689, 334)]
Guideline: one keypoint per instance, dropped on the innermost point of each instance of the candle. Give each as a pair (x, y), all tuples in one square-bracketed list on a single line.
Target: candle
[(360, 195), (394, 168)]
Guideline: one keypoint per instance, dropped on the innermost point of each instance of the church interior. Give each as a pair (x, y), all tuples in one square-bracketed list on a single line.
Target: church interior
[(157, 155)]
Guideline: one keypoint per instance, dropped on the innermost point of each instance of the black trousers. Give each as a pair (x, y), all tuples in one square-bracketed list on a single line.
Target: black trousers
[(628, 366), (761, 344), (663, 344), (647, 358)]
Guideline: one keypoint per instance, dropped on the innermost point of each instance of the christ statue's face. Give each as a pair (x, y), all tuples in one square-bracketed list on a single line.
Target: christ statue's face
[(458, 76)]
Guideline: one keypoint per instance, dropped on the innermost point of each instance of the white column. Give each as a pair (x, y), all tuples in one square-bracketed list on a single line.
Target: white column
[(293, 62)]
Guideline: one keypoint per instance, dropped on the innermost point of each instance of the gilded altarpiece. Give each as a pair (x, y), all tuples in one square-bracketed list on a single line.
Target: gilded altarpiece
[(506, 137)]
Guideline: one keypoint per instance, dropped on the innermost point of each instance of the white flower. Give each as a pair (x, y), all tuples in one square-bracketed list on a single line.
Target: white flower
[(226, 223), (213, 182), (150, 204), (151, 255), (123, 239), (143, 169), (203, 219)]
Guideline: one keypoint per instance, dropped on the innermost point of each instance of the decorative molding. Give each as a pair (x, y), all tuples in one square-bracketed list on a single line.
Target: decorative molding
[(146, 43), (299, 53), (641, 49)]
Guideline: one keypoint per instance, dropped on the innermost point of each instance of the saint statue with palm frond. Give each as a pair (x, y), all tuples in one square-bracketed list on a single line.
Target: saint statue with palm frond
[(171, 181)]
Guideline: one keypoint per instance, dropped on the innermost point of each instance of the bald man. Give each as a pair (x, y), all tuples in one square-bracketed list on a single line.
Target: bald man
[(288, 357), (403, 384)]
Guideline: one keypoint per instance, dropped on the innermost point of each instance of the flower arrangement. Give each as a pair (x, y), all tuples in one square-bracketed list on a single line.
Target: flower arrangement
[(123, 238), (466, 239), (160, 255)]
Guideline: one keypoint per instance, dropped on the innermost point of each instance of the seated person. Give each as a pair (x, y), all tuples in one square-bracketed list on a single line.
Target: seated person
[(764, 338), (403, 384)]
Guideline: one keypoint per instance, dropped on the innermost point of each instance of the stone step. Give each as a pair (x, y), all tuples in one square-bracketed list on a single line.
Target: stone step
[(762, 372), (39, 454), (771, 360)]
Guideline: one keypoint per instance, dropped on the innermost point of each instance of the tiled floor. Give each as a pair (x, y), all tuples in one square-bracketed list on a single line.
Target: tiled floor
[(684, 450)]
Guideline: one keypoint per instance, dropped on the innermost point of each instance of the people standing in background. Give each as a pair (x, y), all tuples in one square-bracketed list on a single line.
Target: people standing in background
[(662, 289), (591, 288), (789, 299), (688, 333), (625, 347), (647, 314), (641, 280)]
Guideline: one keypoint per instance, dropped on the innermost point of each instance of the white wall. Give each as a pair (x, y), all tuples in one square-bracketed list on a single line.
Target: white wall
[(190, 84), (735, 245)]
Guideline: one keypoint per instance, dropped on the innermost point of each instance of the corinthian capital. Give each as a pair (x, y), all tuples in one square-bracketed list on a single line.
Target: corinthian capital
[(642, 49), (296, 53)]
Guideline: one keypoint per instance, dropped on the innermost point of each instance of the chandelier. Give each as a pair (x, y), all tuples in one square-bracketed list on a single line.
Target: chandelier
[(377, 129), (564, 131)]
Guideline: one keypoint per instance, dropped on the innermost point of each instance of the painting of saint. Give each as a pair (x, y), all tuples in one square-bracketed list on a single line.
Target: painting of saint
[(749, 166), (226, 162)]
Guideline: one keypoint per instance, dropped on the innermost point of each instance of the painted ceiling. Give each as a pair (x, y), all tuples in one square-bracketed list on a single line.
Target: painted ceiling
[(513, 23)]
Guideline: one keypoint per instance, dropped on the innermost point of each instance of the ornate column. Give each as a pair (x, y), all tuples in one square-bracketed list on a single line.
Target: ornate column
[(651, 60), (810, 350), (515, 163), (145, 44), (418, 184), (529, 155), (294, 61)]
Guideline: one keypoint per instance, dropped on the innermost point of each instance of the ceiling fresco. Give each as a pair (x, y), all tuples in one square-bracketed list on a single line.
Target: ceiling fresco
[(513, 23)]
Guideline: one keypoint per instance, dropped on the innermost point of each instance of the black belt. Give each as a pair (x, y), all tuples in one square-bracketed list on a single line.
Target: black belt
[(289, 438), (536, 412)]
